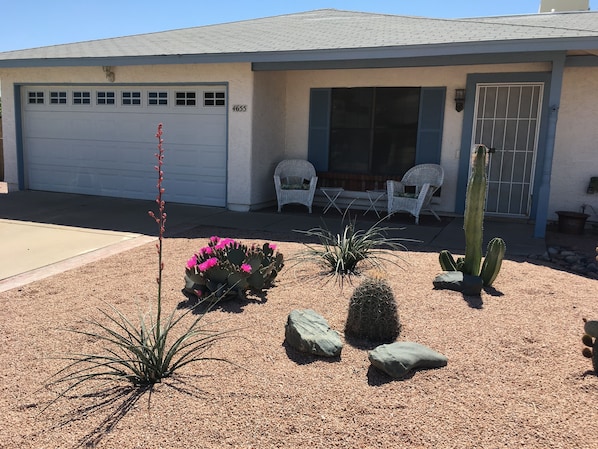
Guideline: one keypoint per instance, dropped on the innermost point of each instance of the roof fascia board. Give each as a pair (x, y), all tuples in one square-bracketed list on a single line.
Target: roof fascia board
[(125, 60), (582, 61), (430, 61)]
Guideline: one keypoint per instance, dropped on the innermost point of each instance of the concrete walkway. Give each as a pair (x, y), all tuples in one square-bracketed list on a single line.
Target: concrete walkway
[(44, 233)]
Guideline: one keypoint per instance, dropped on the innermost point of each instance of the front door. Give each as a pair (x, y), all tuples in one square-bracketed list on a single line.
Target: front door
[(507, 120)]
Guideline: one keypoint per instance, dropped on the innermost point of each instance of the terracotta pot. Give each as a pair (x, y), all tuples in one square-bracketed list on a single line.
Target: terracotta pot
[(572, 222)]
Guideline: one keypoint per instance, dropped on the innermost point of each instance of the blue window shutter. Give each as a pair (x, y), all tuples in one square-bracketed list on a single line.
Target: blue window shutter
[(431, 121), (319, 128)]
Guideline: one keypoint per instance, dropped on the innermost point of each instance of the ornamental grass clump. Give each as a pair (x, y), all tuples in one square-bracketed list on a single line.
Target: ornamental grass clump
[(226, 268), (146, 352), (345, 254)]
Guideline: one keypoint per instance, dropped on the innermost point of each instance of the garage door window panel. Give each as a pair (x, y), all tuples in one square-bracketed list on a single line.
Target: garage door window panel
[(105, 98), (214, 99), (186, 99), (81, 97), (58, 97), (36, 97), (158, 98), (131, 98)]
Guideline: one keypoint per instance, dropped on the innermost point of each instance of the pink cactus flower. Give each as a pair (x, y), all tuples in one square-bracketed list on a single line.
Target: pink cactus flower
[(246, 268), (223, 243), (192, 262), (272, 247), (205, 266)]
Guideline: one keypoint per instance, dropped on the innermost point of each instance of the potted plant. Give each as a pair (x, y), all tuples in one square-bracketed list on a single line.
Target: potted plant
[(571, 222)]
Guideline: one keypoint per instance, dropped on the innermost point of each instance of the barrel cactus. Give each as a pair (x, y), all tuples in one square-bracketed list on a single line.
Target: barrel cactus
[(590, 339), (373, 314), (473, 226)]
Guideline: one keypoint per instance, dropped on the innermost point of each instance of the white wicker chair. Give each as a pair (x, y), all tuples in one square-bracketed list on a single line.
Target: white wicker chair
[(295, 181), (425, 179)]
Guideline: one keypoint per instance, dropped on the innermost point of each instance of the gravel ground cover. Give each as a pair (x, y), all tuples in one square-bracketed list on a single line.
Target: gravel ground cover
[(515, 375)]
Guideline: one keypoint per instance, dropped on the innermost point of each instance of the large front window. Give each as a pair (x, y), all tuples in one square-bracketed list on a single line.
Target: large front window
[(373, 130)]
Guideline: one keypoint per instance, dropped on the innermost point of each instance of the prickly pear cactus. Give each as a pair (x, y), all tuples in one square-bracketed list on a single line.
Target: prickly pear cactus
[(473, 226), (590, 339), (373, 314)]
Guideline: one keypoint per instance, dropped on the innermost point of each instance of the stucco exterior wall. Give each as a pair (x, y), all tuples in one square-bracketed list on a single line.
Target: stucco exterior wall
[(239, 78), (275, 124), (299, 84), (576, 144), (269, 146)]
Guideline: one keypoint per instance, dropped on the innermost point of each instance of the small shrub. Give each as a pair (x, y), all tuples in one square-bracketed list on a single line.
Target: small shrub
[(343, 254), (373, 314)]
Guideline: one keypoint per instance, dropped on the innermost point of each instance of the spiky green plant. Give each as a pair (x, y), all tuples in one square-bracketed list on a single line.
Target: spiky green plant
[(373, 314), (342, 254), (144, 353), (473, 225)]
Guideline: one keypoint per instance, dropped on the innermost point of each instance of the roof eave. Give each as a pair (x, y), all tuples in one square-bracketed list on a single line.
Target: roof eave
[(544, 47)]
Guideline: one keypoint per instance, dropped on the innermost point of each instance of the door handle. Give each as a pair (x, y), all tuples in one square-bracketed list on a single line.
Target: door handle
[(491, 150)]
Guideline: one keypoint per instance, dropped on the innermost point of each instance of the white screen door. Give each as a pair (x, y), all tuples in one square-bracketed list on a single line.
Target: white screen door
[(507, 120)]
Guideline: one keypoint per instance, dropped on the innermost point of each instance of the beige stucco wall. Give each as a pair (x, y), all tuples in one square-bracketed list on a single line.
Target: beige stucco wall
[(274, 125), (576, 144), (300, 82), (238, 76), (269, 146)]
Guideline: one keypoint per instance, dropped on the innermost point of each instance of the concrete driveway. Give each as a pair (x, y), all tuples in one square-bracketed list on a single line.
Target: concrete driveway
[(39, 245)]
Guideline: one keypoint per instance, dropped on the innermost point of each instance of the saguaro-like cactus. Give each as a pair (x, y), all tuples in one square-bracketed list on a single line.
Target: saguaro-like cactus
[(474, 226)]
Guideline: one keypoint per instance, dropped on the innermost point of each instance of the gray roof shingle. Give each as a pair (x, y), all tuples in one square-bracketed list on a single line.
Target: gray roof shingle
[(330, 30)]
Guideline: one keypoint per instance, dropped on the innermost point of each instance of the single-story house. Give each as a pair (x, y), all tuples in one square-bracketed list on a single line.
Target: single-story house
[(363, 96)]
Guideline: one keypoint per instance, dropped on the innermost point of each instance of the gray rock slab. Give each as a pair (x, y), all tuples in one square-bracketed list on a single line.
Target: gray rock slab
[(459, 282), (397, 359), (309, 332)]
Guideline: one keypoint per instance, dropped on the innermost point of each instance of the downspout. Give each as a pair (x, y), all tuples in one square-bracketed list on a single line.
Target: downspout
[(556, 83)]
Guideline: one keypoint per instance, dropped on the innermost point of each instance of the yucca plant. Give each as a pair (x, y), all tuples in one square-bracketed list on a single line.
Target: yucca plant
[(343, 254), (146, 352)]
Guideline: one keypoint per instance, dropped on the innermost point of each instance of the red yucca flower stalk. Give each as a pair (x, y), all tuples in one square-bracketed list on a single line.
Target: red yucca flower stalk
[(160, 220), (143, 353)]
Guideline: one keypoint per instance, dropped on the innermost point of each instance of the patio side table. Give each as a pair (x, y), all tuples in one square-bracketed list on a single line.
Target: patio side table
[(332, 193), (375, 196)]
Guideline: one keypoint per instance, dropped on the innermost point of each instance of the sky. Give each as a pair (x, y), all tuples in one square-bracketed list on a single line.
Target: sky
[(38, 23)]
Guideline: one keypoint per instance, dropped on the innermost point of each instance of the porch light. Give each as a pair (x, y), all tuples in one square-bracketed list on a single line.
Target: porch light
[(459, 99)]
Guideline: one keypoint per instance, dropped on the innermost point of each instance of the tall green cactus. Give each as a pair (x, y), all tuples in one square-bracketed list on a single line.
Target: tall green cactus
[(475, 201), (474, 229)]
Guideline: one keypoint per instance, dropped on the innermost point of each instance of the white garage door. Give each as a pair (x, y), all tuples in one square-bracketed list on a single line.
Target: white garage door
[(100, 140)]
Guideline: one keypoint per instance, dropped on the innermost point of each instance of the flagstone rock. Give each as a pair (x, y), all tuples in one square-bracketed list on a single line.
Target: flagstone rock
[(309, 332), (459, 282), (399, 358)]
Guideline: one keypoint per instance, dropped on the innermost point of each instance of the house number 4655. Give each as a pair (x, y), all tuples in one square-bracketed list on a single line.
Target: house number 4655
[(240, 108)]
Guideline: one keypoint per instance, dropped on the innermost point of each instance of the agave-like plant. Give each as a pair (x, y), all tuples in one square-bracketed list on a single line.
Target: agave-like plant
[(143, 353), (342, 254)]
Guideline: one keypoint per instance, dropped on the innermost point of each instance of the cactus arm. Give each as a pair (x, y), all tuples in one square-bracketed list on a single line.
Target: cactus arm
[(447, 262), (493, 260), (474, 213)]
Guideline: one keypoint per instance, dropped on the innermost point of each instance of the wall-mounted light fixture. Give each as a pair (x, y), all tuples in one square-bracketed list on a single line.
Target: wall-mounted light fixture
[(109, 72), (459, 99)]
